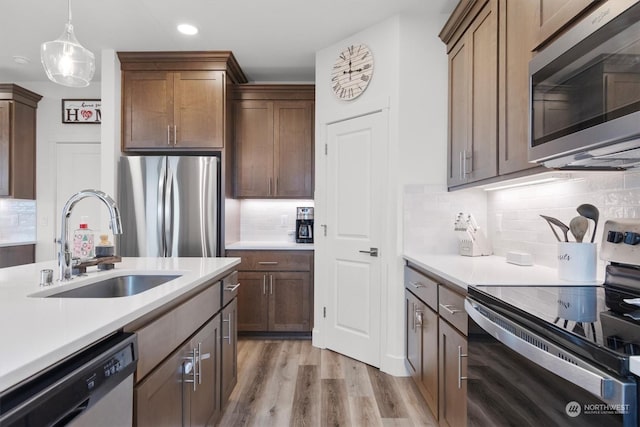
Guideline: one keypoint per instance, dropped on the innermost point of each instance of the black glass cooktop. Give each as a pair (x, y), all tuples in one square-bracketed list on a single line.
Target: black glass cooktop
[(593, 322)]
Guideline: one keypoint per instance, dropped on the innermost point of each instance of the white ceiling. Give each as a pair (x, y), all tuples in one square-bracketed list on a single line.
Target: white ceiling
[(273, 40)]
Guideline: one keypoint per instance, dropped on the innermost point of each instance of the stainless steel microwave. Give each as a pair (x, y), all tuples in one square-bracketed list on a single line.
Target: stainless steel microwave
[(585, 93)]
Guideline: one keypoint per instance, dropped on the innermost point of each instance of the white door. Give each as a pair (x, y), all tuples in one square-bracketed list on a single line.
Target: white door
[(78, 168), (356, 176)]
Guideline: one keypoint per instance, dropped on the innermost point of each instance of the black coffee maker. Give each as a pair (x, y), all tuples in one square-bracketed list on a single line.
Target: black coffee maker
[(304, 225)]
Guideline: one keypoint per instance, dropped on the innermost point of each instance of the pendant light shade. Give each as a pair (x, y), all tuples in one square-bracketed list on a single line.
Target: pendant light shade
[(66, 61)]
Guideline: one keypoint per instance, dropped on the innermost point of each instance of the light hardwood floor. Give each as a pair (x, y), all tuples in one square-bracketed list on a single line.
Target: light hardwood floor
[(292, 383)]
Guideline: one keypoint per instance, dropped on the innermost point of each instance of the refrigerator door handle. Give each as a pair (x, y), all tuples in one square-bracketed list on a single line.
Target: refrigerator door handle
[(162, 189), (207, 204), (168, 211)]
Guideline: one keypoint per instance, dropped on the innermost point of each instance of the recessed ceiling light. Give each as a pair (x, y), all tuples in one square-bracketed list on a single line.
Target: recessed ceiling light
[(187, 29), (21, 59)]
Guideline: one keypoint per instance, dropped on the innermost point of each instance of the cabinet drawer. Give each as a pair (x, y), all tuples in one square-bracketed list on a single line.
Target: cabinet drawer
[(451, 308), (162, 336), (268, 260), (422, 287)]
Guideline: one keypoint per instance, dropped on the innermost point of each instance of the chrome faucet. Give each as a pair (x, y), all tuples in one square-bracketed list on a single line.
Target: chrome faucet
[(65, 261)]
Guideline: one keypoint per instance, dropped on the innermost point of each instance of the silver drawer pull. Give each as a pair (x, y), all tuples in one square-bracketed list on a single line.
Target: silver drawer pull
[(450, 310), (460, 377), (232, 288), (268, 262), (417, 285)]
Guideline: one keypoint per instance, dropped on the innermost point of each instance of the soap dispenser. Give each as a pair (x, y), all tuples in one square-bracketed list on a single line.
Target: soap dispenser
[(83, 241)]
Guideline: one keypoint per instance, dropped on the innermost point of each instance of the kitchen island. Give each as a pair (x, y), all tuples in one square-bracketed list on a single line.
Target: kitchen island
[(37, 332)]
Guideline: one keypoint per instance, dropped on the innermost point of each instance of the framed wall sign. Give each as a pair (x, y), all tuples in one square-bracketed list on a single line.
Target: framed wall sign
[(81, 111)]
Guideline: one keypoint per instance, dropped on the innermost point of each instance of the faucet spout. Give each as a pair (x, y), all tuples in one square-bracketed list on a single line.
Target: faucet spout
[(115, 223)]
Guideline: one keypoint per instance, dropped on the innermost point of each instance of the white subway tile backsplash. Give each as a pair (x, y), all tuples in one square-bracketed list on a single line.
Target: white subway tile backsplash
[(512, 216), (17, 221), (269, 220)]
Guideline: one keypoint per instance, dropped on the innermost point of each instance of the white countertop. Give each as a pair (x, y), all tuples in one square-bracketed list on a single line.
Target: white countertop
[(489, 270), (267, 245), (494, 270), (37, 332), (7, 243)]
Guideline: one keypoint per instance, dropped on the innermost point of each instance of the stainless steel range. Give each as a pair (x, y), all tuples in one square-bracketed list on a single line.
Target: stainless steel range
[(559, 355)]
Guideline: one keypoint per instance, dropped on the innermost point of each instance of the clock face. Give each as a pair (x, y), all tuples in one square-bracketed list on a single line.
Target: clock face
[(352, 72)]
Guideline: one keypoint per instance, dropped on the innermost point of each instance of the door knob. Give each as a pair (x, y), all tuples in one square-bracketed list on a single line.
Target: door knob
[(371, 251)]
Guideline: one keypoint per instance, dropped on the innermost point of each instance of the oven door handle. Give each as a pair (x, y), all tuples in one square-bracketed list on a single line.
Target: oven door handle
[(591, 379)]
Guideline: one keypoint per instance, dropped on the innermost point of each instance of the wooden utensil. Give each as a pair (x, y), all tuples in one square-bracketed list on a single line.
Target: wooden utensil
[(579, 226), (590, 212)]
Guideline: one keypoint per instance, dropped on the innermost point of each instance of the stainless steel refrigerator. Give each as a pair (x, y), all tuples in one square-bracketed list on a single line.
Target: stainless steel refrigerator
[(169, 206)]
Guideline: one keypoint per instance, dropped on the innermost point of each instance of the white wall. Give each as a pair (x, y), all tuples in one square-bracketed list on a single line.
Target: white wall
[(49, 131), (410, 83)]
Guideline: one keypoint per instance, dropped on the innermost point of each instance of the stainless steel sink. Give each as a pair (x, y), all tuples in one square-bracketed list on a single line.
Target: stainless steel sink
[(114, 287)]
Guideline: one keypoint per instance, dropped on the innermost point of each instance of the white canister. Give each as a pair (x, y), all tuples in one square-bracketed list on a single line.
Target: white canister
[(577, 261)]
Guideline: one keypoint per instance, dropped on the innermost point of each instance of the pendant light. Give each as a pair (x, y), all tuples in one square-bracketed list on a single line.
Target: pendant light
[(66, 61)]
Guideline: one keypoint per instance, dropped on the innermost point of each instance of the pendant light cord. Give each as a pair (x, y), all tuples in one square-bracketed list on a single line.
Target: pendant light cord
[(69, 8)]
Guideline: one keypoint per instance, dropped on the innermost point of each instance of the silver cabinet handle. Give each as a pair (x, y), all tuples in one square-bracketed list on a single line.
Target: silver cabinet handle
[(264, 284), (192, 365), (270, 179), (417, 285), (228, 337), (175, 135), (199, 373), (372, 251), (460, 377), (232, 288), (271, 284), (418, 318), (450, 310), (268, 262), (461, 174), (168, 135)]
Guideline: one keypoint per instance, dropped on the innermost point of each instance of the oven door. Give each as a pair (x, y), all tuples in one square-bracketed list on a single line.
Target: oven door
[(518, 378)]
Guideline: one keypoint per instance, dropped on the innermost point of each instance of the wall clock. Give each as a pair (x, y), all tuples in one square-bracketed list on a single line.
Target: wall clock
[(352, 72)]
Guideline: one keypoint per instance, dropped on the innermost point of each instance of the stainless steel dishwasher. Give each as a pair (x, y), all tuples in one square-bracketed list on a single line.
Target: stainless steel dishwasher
[(91, 388)]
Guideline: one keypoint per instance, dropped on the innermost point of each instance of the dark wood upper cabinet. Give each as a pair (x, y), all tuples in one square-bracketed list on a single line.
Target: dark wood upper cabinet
[(274, 134), (176, 100), (18, 142), (551, 16)]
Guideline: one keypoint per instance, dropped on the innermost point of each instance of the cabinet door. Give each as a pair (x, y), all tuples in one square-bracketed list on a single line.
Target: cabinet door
[(205, 400), (229, 349), (159, 397), (253, 304), (483, 40), (427, 322), (147, 109), (553, 15), (459, 112), (413, 337), (293, 127), (452, 369), (5, 141), (516, 36), (289, 302), (198, 114), (254, 148)]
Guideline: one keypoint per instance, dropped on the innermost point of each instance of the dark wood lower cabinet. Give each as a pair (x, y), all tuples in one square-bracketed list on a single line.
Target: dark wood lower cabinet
[(17, 255), (453, 384), (229, 348), (169, 396)]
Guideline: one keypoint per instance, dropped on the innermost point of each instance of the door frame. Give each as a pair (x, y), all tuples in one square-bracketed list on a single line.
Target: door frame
[(386, 249)]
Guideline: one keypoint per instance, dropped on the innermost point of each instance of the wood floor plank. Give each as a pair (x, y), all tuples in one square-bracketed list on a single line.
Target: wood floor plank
[(305, 410), (289, 382), (334, 403), (364, 411), (276, 403), (389, 403), (417, 409), (356, 378), (331, 365)]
